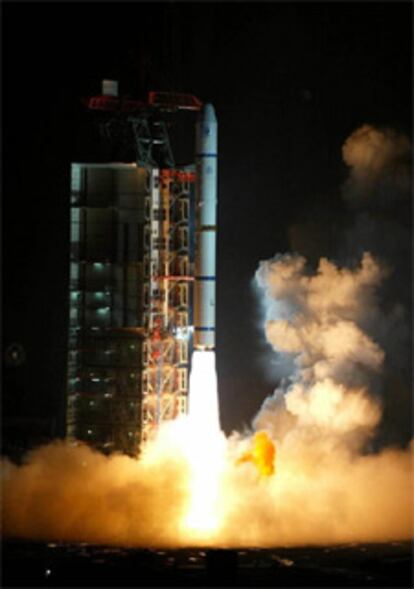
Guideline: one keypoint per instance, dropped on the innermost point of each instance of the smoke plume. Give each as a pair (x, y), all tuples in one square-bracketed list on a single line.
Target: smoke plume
[(379, 194), (330, 485), (316, 319), (373, 213), (69, 492), (319, 494), (379, 161)]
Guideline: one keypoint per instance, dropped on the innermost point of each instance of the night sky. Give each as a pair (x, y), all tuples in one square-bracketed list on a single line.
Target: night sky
[(289, 81)]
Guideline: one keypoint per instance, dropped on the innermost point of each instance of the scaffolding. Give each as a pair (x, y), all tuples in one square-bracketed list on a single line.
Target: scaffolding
[(167, 298), (132, 272)]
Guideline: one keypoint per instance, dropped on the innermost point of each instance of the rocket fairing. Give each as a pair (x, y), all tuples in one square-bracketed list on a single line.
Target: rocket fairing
[(205, 247)]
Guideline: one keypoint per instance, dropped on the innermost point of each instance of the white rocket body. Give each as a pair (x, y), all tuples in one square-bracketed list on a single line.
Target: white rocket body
[(206, 215)]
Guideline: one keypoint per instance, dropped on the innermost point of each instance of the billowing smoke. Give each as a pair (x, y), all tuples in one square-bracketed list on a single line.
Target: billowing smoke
[(69, 492), (319, 494), (373, 213), (379, 194), (331, 486), (316, 318), (379, 160)]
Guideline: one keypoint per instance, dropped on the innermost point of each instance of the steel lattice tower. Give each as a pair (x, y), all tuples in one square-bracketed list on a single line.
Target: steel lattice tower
[(154, 342)]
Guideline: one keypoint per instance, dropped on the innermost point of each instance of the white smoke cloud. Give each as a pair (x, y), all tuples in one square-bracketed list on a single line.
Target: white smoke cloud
[(379, 163), (330, 406), (70, 492), (320, 493), (317, 318), (379, 191)]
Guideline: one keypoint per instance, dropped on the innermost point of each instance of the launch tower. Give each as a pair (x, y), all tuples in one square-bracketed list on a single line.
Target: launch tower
[(131, 279)]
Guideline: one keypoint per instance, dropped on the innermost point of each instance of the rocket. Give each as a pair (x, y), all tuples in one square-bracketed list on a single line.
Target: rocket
[(205, 230)]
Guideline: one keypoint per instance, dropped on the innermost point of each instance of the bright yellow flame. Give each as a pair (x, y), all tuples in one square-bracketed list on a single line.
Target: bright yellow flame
[(262, 454), (205, 452)]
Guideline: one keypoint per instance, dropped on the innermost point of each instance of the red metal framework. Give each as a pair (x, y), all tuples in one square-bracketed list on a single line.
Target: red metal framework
[(147, 122), (174, 101), (113, 103), (163, 101), (166, 299)]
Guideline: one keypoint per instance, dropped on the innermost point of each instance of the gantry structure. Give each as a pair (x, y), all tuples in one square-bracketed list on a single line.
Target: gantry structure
[(132, 273)]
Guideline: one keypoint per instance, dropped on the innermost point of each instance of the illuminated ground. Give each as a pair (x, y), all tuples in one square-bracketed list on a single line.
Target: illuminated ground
[(29, 564)]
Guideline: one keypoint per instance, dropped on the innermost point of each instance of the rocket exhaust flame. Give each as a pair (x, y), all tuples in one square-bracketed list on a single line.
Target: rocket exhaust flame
[(206, 452), (203, 401)]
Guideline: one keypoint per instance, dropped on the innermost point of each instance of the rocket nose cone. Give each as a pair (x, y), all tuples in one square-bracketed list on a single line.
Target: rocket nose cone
[(209, 115)]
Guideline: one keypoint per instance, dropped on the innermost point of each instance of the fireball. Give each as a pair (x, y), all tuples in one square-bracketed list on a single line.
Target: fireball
[(262, 454)]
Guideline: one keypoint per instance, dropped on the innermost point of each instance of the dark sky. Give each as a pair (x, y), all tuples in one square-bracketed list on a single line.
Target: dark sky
[(290, 82)]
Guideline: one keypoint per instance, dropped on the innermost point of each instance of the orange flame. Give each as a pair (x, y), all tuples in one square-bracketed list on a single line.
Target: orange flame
[(262, 455)]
